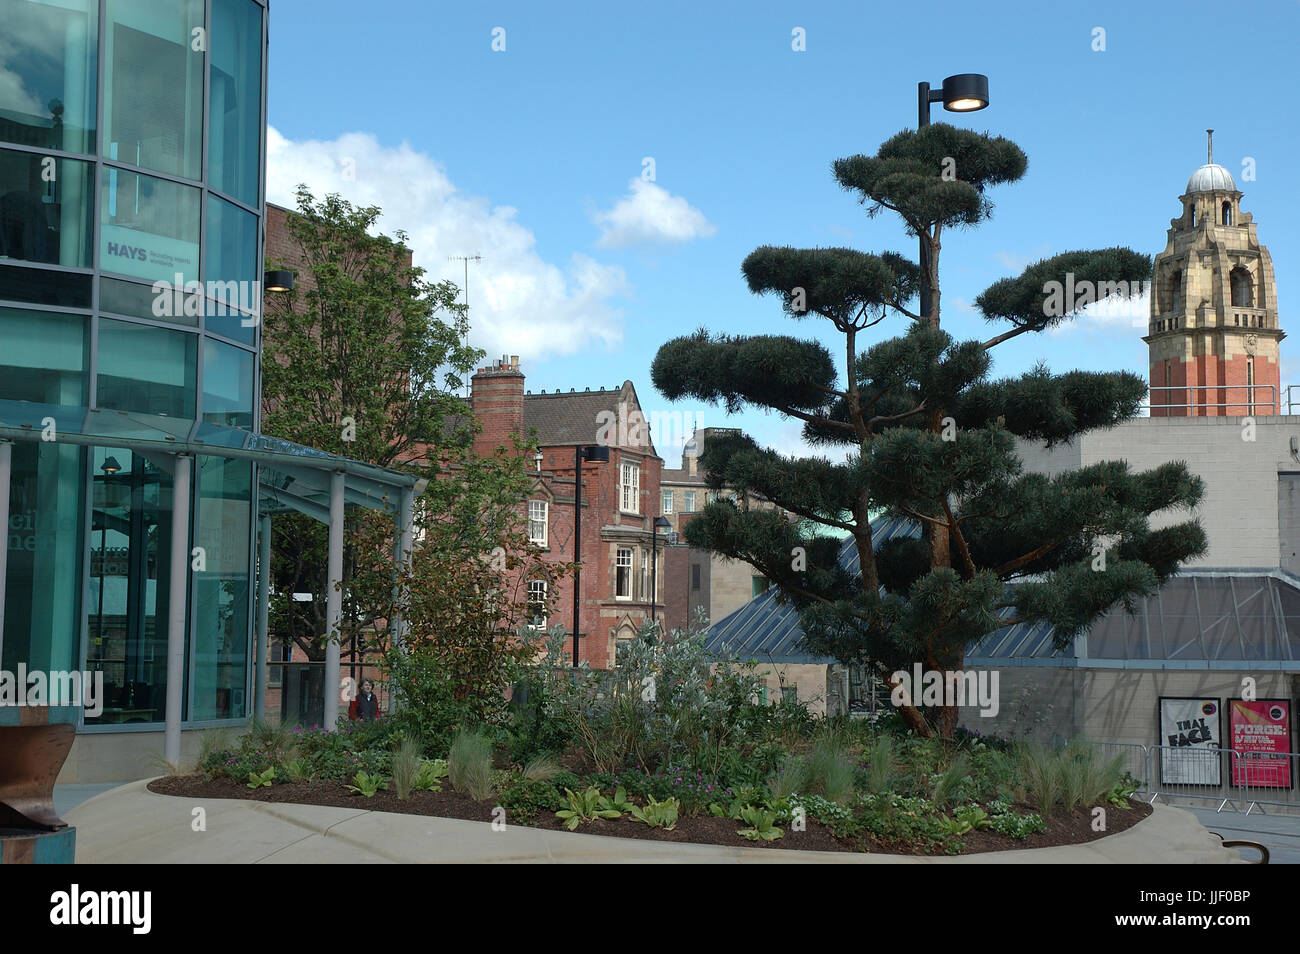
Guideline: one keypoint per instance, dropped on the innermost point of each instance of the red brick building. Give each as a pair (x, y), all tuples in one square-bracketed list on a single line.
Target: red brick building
[(620, 554)]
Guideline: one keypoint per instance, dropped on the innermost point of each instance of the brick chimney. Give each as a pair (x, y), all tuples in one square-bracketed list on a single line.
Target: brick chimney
[(497, 399)]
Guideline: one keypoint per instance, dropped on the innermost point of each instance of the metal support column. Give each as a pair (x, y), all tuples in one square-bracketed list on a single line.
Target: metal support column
[(177, 606), (334, 602), (263, 615), (6, 470), (404, 545)]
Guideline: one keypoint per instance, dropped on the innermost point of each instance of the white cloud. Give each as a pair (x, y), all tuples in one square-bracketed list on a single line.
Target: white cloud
[(519, 303), (1111, 314), (1016, 262), (650, 215)]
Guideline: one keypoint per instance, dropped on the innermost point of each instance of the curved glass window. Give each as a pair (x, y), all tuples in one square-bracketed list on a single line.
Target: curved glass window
[(47, 64), (231, 271), (235, 99), (149, 228), (227, 385), (44, 209), (153, 95), (44, 357), (146, 369), (221, 588)]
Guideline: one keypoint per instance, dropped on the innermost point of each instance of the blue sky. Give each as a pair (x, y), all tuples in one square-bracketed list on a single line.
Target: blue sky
[(533, 156)]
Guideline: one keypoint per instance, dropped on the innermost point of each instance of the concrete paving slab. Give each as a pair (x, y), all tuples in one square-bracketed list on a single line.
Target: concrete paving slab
[(130, 824)]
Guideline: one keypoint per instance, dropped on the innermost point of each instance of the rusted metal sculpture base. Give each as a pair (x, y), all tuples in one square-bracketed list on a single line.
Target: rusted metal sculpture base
[(30, 759)]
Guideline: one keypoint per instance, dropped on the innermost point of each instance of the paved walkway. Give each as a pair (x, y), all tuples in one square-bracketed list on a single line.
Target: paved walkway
[(130, 824)]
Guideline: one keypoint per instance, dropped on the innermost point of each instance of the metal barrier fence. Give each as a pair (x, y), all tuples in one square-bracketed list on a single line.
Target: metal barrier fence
[(1237, 781)]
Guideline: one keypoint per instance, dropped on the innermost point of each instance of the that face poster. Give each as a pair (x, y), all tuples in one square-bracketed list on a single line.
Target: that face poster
[(1259, 733), (1191, 734)]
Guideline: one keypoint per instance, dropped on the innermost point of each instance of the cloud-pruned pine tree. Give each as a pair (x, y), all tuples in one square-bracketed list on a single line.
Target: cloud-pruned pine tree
[(930, 436)]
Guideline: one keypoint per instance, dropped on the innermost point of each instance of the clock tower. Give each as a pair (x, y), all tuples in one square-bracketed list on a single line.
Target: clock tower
[(1214, 333)]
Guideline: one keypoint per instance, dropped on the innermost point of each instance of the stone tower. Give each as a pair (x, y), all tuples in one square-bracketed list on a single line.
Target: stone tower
[(1214, 332)]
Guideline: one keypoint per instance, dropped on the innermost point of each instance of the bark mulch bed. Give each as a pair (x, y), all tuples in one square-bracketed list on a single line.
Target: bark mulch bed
[(1062, 828)]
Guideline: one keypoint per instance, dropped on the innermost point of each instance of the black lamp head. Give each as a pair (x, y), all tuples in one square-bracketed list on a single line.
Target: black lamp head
[(110, 465), (965, 92), (279, 281), (596, 452)]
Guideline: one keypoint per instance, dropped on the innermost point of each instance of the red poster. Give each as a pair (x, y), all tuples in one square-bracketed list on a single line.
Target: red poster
[(1260, 731)]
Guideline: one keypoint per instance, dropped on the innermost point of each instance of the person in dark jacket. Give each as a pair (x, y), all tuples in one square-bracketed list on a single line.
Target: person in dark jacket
[(366, 704)]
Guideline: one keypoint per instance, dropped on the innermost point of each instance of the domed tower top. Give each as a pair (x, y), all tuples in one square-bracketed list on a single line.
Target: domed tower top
[(1214, 332), (1211, 177)]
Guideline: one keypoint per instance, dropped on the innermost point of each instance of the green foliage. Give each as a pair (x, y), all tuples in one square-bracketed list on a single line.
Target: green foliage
[(1017, 826), (761, 822), (257, 780), (879, 771), (296, 770), (949, 784), (406, 766), (585, 807), (1122, 791), (364, 783), (469, 764), (541, 768), (668, 705), (931, 437), (790, 779), (524, 798), (657, 814), (430, 775)]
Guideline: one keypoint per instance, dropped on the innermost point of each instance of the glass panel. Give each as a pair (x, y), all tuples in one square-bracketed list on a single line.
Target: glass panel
[(43, 584), (221, 589), (44, 357), (227, 385), (130, 580), (142, 368), (153, 95), (235, 99), (231, 272), (44, 209), (141, 301), (149, 228), (47, 62), (44, 286)]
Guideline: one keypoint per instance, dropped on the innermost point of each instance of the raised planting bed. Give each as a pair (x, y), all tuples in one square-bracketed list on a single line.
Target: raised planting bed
[(1062, 828)]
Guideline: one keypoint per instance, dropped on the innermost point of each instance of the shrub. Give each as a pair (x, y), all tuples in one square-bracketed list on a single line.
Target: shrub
[(541, 768), (949, 783), (657, 814), (524, 798), (1040, 768), (406, 767), (879, 771), (830, 771), (791, 778), (469, 764)]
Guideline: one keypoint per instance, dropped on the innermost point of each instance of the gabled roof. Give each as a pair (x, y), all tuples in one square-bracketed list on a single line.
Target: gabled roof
[(585, 417)]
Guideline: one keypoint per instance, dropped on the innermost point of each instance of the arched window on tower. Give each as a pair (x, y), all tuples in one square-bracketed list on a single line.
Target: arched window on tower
[(1174, 297), (1227, 213), (1242, 290), (1193, 216)]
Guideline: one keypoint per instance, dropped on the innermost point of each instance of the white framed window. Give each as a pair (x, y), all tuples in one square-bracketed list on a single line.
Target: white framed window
[(536, 604), (537, 521), (630, 499), (690, 502), (623, 573), (645, 576), (668, 501)]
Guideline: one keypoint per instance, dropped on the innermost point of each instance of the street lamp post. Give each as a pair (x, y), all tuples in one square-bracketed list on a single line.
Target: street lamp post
[(661, 523), (594, 453), (961, 93), (109, 467)]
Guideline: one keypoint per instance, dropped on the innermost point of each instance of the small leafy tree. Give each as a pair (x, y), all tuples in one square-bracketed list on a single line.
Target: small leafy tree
[(365, 358), (930, 435)]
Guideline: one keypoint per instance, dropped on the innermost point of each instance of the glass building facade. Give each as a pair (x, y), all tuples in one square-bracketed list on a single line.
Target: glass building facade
[(131, 234)]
